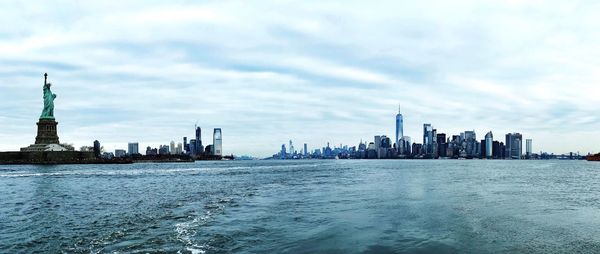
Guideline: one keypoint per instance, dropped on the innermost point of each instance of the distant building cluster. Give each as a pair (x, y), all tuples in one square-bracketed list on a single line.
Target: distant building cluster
[(193, 148), (434, 145), (321, 153)]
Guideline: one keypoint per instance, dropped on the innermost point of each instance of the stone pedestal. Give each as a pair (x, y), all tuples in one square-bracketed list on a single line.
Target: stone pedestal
[(46, 139), (47, 133)]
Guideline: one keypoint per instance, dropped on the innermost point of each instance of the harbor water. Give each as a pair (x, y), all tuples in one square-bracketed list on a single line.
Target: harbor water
[(312, 206)]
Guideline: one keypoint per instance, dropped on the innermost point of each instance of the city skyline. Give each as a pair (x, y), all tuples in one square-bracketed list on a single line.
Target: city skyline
[(318, 73), (435, 145)]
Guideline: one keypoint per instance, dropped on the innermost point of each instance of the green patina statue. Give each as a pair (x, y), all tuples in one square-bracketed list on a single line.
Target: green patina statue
[(48, 111)]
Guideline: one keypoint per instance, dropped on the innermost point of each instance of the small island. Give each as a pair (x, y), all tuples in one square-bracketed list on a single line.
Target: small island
[(47, 149)]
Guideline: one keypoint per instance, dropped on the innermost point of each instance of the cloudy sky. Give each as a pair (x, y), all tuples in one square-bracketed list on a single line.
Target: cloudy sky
[(310, 71)]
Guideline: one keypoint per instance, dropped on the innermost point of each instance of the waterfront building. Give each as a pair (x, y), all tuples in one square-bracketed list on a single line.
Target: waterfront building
[(172, 147), (209, 149), (317, 152), (328, 152), (489, 145), (514, 146), (282, 153), (427, 146), (132, 148), (377, 141), (120, 153), (179, 148), (305, 149), (198, 136), (441, 145), (150, 151), (471, 143), (496, 151), (416, 149), (385, 146), (199, 148), (163, 149), (399, 128), (404, 147), (192, 147), (186, 148), (292, 152), (217, 142), (528, 148), (97, 148)]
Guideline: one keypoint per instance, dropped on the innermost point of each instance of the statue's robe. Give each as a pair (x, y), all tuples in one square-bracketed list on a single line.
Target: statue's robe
[(48, 111)]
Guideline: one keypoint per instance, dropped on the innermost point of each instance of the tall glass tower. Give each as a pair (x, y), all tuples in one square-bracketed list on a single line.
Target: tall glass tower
[(427, 138), (217, 142), (489, 143), (399, 127)]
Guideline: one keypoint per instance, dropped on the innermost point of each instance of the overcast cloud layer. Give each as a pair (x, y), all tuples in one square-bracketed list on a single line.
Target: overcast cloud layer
[(311, 71)]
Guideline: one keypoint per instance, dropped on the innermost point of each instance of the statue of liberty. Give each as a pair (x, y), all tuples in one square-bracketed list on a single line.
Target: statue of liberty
[(48, 111)]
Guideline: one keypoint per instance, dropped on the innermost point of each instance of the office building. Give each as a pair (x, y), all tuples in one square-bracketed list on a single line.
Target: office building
[(120, 153), (283, 152), (416, 149), (97, 148), (471, 148), (441, 145), (186, 148), (179, 148), (163, 149), (305, 150), (199, 148), (427, 139), (528, 148), (172, 147), (151, 151), (514, 146), (209, 149), (132, 148), (399, 128), (377, 142), (489, 145), (404, 147), (217, 142), (192, 147)]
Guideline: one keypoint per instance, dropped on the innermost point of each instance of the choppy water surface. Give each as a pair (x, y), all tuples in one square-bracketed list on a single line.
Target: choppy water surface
[(303, 207)]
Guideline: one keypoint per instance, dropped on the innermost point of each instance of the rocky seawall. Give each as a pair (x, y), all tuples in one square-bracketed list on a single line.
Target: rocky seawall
[(54, 157)]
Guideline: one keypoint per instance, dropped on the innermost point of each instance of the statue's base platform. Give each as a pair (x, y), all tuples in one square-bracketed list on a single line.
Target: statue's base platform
[(45, 148), (47, 132), (52, 157)]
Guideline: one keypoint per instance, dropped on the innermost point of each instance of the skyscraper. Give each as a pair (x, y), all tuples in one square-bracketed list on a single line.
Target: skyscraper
[(185, 145), (405, 145), (441, 144), (528, 147), (471, 142), (399, 128), (133, 148), (172, 147), (179, 148), (217, 142), (377, 141), (489, 142), (427, 138), (97, 148), (199, 148), (193, 147), (305, 149), (514, 145)]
